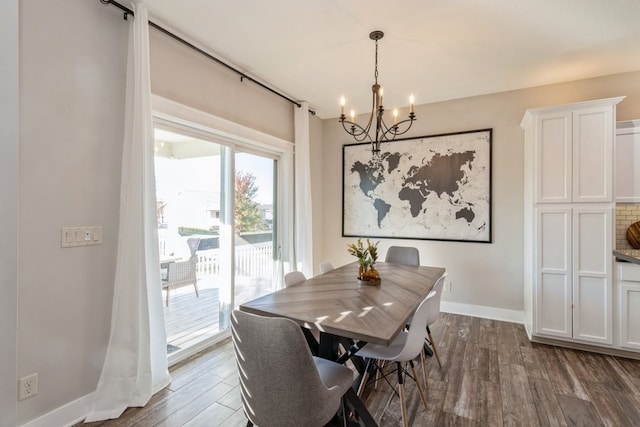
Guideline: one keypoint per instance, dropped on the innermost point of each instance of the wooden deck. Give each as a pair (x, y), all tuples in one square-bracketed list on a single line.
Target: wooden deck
[(190, 319)]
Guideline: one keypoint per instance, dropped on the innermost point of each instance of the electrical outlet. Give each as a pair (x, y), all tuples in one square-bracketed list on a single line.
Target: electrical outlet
[(447, 286), (28, 386)]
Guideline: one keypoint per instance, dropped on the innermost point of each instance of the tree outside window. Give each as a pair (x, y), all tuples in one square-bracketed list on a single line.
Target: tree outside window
[(248, 216)]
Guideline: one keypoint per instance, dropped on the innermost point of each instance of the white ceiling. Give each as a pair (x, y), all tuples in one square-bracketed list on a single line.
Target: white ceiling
[(318, 50)]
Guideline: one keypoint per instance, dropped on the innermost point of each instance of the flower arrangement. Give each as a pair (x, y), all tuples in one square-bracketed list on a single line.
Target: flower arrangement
[(367, 257)]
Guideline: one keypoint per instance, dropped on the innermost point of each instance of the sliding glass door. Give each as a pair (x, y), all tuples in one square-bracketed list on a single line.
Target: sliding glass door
[(216, 229), (255, 226)]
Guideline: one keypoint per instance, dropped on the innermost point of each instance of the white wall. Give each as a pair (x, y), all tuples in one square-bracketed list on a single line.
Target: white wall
[(185, 76), (9, 123), (72, 82), (488, 275)]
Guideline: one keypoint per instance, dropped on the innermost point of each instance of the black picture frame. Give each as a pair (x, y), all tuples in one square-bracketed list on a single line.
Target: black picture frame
[(434, 187)]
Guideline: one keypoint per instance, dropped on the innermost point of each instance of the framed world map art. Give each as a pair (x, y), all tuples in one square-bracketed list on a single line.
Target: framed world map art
[(432, 187)]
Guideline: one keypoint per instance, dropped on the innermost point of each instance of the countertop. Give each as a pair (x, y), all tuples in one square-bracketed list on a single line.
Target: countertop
[(629, 255)]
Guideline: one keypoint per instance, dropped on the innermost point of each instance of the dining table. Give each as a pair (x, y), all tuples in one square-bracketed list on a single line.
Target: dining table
[(340, 308)]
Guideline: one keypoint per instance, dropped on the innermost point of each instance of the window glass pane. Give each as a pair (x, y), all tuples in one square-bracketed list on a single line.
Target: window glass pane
[(188, 191), (255, 218)]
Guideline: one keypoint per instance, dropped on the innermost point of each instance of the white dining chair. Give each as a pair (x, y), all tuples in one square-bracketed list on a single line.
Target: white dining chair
[(404, 348), (434, 312), (326, 267), (293, 278)]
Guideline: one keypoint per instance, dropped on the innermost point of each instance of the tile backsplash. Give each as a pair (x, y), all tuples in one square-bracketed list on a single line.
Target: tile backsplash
[(626, 214)]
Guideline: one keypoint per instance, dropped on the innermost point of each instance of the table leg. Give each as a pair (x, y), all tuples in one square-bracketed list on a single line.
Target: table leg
[(328, 346)]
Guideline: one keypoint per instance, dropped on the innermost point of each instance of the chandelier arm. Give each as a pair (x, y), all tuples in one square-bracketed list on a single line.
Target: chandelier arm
[(351, 127), (385, 129), (394, 130), (373, 112)]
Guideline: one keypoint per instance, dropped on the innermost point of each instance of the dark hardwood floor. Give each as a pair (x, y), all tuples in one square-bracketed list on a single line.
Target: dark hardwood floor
[(491, 376)]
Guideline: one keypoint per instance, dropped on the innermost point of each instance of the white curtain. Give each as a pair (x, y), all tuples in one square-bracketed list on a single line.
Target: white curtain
[(303, 206), (135, 366)]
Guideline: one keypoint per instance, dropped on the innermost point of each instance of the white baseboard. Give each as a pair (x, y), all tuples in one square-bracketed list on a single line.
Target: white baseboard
[(64, 416), (482, 311)]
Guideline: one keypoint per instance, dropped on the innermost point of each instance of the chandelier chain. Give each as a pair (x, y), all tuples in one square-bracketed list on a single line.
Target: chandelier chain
[(376, 72)]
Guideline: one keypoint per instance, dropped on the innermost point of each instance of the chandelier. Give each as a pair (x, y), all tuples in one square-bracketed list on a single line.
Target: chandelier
[(382, 132)]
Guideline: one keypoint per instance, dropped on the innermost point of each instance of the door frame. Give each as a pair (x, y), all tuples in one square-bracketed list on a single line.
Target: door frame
[(177, 117)]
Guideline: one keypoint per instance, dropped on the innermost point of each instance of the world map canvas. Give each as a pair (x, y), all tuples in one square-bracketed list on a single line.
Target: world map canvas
[(433, 187)]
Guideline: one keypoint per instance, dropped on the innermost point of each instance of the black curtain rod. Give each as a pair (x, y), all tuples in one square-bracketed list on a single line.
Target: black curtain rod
[(243, 76)]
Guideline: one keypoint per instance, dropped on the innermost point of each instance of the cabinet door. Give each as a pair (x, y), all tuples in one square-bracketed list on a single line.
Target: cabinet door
[(553, 285), (630, 315), (593, 155), (592, 275), (553, 157), (627, 149)]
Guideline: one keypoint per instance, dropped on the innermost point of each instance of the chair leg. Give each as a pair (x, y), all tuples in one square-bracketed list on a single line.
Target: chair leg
[(423, 359), (195, 285), (380, 366), (420, 390), (365, 377), (403, 402), (433, 345), (167, 297)]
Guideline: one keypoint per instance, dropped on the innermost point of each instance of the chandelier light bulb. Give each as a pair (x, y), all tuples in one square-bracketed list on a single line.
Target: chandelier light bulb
[(342, 102), (353, 115), (395, 116)]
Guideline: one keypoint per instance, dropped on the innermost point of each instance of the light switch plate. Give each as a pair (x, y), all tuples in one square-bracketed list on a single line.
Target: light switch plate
[(80, 236)]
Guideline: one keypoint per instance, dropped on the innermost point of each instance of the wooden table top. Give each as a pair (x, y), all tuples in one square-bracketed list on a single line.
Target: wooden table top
[(334, 302)]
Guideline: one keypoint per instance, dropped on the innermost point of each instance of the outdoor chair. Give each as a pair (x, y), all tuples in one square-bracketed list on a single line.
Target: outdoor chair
[(182, 273)]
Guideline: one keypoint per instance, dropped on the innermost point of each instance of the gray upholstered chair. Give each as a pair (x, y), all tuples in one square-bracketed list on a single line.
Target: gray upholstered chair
[(325, 267), (294, 278), (403, 255), (404, 348), (313, 337), (281, 383)]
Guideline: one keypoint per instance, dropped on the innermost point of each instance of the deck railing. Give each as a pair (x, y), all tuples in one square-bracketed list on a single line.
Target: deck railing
[(254, 260)]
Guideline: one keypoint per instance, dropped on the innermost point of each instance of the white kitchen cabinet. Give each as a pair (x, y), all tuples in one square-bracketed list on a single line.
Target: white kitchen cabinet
[(569, 229), (553, 296), (629, 305), (573, 153), (627, 162), (573, 283), (593, 274)]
